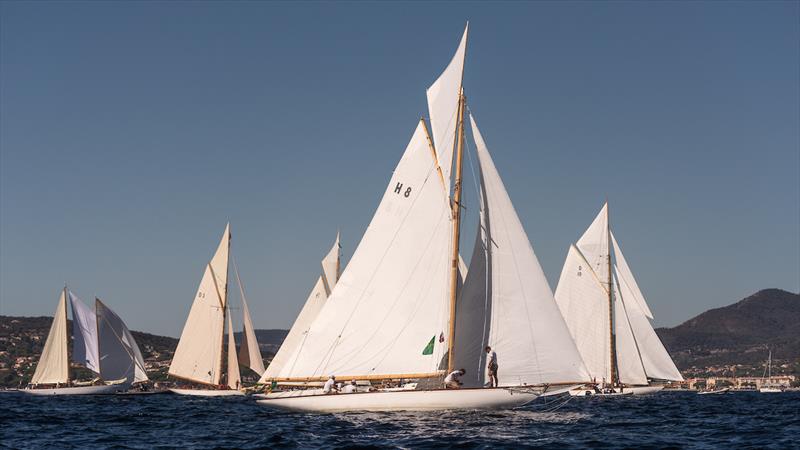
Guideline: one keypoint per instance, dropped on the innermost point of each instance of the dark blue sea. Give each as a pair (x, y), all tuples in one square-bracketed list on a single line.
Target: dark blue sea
[(664, 420)]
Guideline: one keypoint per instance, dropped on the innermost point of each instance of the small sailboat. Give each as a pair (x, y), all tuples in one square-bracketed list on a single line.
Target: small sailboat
[(767, 385), (101, 343), (607, 316), (715, 391), (398, 320), (201, 357)]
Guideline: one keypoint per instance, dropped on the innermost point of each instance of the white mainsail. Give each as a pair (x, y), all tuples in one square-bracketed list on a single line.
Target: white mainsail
[(249, 351), (53, 366), (524, 325), (388, 303), (84, 334), (120, 357), (443, 108), (234, 379), (198, 356), (316, 299)]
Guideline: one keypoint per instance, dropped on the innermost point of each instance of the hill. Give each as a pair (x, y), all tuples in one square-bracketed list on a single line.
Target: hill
[(740, 335)]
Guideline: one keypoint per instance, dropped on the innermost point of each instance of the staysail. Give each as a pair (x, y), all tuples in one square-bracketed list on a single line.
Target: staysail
[(84, 334), (53, 366), (388, 304), (198, 356), (443, 108), (629, 363), (249, 352), (234, 379), (316, 299), (120, 357), (525, 327)]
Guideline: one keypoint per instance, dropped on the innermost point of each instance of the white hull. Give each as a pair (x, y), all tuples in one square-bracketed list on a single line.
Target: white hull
[(403, 400), (718, 391), (78, 390), (769, 390), (208, 392), (628, 390)]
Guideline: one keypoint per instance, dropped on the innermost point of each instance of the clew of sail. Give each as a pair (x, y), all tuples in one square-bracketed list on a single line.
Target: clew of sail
[(443, 108), (583, 301), (316, 299), (120, 357), (507, 290), (198, 356), (53, 366), (390, 299), (84, 333)]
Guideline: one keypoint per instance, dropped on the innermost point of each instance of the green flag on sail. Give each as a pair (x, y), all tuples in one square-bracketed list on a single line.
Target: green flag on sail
[(429, 348)]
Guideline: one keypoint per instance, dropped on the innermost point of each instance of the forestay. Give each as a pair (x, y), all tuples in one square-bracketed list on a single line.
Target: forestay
[(295, 339), (84, 332), (443, 108), (53, 366), (198, 356), (525, 327), (120, 357), (391, 299), (583, 302)]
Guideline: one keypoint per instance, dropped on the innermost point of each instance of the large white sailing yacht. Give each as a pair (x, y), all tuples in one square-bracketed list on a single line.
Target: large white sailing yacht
[(201, 357), (397, 319), (101, 343), (607, 316)]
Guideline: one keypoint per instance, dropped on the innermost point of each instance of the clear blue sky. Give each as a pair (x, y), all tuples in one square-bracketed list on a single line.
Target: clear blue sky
[(131, 131)]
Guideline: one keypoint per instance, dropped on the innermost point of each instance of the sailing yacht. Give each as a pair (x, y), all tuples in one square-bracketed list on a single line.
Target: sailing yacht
[(767, 385), (101, 343), (397, 321), (201, 349), (607, 316)]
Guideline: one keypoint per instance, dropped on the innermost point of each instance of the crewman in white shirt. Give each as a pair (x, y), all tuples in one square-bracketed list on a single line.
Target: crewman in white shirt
[(330, 386), (452, 381), (349, 388)]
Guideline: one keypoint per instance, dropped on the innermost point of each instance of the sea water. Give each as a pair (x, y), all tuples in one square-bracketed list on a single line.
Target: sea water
[(667, 419)]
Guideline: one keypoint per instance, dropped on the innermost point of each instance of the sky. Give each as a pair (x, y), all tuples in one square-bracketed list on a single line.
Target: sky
[(130, 132)]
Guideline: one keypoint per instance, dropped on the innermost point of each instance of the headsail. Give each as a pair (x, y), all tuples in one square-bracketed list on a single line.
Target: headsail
[(234, 379), (199, 354), (390, 300), (625, 274), (629, 362), (525, 329), (249, 352), (53, 366), (84, 333), (316, 299), (120, 357), (443, 108)]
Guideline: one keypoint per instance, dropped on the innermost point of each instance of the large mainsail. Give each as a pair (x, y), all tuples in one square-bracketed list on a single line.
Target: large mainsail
[(390, 300), (506, 286), (316, 299), (120, 357), (198, 356), (84, 334), (53, 366), (443, 107)]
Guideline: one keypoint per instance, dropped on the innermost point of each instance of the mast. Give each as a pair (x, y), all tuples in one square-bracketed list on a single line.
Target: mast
[(612, 338), (456, 207), (66, 331), (224, 306)]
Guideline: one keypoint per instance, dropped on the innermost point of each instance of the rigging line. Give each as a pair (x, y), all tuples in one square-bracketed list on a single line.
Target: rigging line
[(329, 354)]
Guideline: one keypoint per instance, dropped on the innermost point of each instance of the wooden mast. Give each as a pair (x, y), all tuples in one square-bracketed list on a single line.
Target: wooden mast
[(612, 336), (456, 211)]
